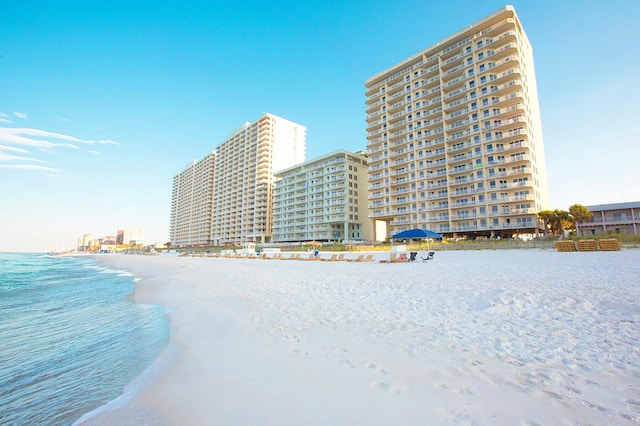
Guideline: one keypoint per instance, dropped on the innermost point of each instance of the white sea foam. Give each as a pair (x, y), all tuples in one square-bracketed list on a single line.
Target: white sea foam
[(156, 369)]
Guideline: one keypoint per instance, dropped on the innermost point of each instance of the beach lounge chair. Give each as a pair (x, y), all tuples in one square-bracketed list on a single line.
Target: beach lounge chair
[(392, 258), (357, 259), (333, 258), (428, 257), (400, 259), (340, 257), (311, 257), (368, 258)]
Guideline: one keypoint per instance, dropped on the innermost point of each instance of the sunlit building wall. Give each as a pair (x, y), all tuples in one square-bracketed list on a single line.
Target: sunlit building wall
[(454, 135), (324, 199), (244, 179), (191, 221)]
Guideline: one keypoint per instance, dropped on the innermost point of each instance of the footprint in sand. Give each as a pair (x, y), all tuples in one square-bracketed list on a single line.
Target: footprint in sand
[(380, 386), (372, 366), (347, 363), (632, 405)]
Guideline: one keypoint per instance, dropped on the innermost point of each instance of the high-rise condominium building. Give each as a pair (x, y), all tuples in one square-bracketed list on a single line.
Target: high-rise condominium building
[(192, 203), (322, 199), (454, 135), (244, 177)]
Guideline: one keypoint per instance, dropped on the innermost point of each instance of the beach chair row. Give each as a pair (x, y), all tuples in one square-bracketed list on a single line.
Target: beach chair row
[(319, 257), (280, 256)]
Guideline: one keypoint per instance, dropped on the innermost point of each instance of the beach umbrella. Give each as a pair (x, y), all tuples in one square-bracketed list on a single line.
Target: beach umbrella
[(418, 233)]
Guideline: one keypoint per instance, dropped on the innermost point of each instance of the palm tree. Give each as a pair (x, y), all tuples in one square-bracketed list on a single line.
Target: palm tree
[(556, 221), (580, 215), (563, 221), (548, 218)]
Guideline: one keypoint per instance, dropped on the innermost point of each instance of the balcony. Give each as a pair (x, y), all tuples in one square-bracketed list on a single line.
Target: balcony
[(465, 180), (375, 196), (377, 176), (496, 29), (459, 169)]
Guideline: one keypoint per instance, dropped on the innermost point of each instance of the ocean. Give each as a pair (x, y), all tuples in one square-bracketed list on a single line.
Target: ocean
[(70, 337)]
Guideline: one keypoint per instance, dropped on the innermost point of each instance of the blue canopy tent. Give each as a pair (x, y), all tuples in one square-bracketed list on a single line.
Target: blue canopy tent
[(417, 234)]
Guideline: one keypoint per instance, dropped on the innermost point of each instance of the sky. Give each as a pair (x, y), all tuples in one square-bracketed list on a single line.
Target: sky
[(102, 103)]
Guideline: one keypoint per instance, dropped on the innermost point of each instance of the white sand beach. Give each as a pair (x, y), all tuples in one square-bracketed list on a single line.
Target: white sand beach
[(472, 337)]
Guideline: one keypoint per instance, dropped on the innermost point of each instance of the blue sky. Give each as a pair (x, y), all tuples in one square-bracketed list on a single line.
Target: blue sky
[(102, 103)]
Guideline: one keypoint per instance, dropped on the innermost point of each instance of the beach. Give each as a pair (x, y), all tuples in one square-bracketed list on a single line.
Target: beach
[(471, 337)]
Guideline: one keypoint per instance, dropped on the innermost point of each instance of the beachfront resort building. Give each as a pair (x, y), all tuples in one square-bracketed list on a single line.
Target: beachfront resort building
[(191, 221), (454, 136), (616, 218), (324, 199), (226, 198), (245, 177)]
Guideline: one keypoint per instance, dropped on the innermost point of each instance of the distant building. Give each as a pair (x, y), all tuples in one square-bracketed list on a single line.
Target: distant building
[(455, 138), (130, 235), (108, 240), (618, 218), (322, 199), (84, 242), (192, 203), (245, 175), (94, 244)]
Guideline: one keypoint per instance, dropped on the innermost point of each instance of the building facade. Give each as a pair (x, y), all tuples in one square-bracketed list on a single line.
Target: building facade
[(324, 199), (617, 218), (130, 235), (244, 178), (454, 135), (191, 221)]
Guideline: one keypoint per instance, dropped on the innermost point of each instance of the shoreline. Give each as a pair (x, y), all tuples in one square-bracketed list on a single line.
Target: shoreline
[(343, 343)]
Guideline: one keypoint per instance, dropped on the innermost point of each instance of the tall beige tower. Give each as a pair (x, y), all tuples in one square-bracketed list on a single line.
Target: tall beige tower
[(454, 136), (245, 177), (192, 203)]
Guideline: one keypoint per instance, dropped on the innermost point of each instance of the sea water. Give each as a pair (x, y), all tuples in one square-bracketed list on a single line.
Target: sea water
[(70, 340)]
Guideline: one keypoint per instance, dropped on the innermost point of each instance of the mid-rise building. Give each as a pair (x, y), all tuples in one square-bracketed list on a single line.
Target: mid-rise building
[(192, 203), (617, 218), (324, 199), (245, 176), (454, 135)]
